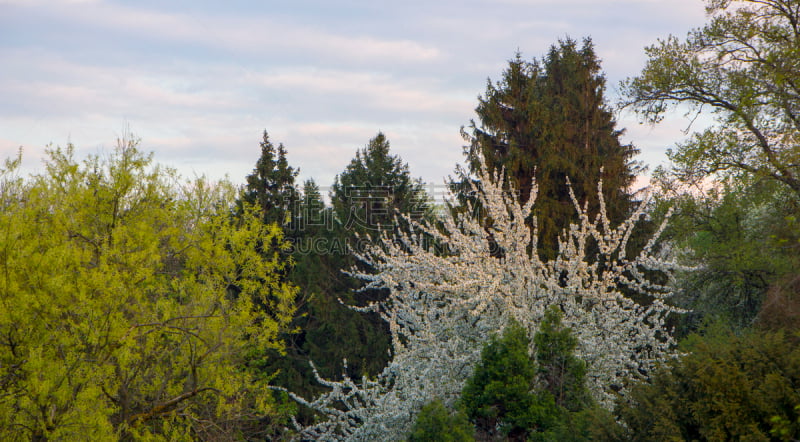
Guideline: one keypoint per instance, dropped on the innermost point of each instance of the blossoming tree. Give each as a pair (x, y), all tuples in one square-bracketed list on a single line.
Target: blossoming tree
[(447, 295)]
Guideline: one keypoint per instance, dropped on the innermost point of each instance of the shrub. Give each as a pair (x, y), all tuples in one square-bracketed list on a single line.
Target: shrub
[(436, 422), (728, 388)]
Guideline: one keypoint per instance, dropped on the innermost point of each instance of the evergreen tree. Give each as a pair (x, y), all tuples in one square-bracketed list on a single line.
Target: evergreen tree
[(726, 387), (563, 373), (542, 398), (368, 198), (365, 199), (330, 332), (548, 120), (373, 189), (271, 186), (501, 390), (436, 422)]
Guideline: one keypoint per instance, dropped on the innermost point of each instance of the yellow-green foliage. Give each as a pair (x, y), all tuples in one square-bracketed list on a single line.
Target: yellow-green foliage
[(118, 317), (728, 387)]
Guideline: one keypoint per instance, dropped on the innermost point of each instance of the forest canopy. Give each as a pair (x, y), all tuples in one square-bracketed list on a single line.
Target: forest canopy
[(546, 300)]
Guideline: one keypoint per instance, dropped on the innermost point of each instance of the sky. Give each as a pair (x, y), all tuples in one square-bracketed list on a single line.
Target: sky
[(199, 81)]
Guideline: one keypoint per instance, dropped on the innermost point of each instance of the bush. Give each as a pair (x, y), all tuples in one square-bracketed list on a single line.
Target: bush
[(436, 422), (535, 399), (728, 388)]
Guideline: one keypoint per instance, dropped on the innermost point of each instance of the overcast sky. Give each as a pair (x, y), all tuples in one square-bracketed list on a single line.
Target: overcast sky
[(198, 81)]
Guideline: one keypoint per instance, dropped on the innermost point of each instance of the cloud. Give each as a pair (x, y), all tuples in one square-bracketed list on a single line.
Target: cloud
[(241, 34), (370, 90), (200, 85), (29, 3)]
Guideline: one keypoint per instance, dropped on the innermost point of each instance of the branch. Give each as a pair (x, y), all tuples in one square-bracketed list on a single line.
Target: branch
[(167, 406)]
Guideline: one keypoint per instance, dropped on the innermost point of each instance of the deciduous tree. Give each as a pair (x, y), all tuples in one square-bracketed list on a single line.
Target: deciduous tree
[(743, 67), (117, 317), (442, 306)]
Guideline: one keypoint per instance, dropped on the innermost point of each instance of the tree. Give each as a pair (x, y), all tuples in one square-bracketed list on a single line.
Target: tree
[(726, 387), (535, 398), (436, 422), (741, 238), (743, 66), (374, 188), (564, 374), (117, 318), (366, 197), (548, 120), (442, 306), (325, 330), (271, 186), (502, 390)]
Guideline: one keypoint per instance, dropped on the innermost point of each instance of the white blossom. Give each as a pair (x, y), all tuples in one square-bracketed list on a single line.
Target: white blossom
[(445, 301)]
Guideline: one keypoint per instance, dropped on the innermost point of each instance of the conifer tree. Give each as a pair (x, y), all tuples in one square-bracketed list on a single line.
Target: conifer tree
[(563, 373), (365, 197), (548, 119), (373, 188), (500, 393), (271, 186), (436, 422)]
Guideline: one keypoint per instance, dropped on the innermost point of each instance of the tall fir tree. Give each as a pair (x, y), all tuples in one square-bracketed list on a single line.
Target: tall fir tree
[(373, 189), (271, 186), (548, 119), (271, 190), (365, 198)]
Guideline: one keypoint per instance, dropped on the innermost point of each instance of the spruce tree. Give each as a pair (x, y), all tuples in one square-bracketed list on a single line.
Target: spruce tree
[(365, 198), (548, 119), (502, 392), (271, 186), (563, 373), (373, 189)]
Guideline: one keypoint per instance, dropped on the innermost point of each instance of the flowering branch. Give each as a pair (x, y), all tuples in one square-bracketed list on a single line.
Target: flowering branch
[(444, 302)]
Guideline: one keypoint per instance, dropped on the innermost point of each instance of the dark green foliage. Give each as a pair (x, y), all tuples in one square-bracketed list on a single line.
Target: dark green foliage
[(549, 119), (326, 332), (271, 186), (436, 423), (365, 198), (271, 189), (728, 387), (544, 399), (501, 390), (373, 189), (564, 375)]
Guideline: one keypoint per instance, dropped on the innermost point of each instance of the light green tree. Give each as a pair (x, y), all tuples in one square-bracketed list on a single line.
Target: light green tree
[(744, 67), (117, 318)]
